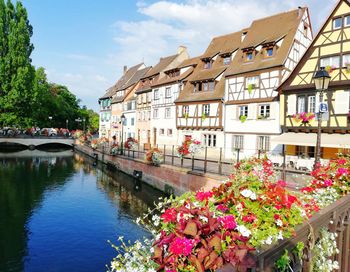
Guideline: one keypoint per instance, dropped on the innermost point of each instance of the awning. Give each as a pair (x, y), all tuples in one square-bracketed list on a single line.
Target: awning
[(309, 139)]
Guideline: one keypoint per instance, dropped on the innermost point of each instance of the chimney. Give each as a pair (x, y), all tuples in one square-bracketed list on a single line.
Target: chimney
[(181, 49), (300, 9), (125, 69)]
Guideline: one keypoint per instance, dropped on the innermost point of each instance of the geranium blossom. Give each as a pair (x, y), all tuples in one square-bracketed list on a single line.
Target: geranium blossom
[(181, 246), (228, 222), (201, 196), (170, 215)]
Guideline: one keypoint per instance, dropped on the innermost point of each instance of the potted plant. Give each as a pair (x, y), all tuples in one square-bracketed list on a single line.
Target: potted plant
[(185, 115), (131, 144), (204, 116), (330, 68), (242, 118), (154, 156), (250, 88), (189, 147), (347, 69)]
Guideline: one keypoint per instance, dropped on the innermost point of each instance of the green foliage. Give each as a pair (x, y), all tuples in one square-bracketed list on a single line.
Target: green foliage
[(26, 96), (283, 262)]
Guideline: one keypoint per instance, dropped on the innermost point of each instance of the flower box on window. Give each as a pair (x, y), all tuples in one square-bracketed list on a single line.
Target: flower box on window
[(304, 117), (251, 87), (330, 68), (242, 118)]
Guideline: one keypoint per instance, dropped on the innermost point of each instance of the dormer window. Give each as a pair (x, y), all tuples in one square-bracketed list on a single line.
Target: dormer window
[(204, 86), (227, 60), (249, 56), (207, 64), (347, 21), (337, 23), (269, 52)]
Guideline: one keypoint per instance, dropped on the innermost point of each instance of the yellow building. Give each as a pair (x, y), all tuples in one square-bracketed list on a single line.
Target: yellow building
[(329, 49)]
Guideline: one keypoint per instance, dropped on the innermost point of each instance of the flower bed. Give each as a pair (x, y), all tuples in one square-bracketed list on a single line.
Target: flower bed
[(154, 156), (202, 231), (189, 147)]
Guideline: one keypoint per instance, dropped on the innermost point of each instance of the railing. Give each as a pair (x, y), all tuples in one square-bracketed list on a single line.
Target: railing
[(335, 218), (294, 169)]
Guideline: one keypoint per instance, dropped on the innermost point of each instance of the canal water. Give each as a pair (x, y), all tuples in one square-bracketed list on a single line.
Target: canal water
[(57, 211)]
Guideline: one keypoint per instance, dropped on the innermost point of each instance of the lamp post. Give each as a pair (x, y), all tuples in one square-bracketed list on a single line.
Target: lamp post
[(122, 119), (321, 79), (50, 118), (84, 124), (66, 123)]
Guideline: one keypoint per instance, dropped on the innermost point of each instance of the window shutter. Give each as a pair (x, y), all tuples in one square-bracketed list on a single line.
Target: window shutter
[(291, 104), (252, 108), (341, 102), (274, 110)]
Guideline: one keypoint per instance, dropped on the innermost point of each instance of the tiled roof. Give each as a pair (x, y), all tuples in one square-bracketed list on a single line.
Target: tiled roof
[(122, 81), (161, 66), (223, 44), (263, 31)]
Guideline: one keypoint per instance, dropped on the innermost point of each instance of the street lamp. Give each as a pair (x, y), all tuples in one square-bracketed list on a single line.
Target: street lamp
[(122, 118), (66, 123), (321, 79), (50, 118)]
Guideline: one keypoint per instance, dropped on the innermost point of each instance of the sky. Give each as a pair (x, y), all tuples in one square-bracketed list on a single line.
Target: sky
[(84, 44)]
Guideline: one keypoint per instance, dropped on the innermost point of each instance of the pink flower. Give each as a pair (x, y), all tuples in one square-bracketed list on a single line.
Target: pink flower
[(228, 222), (282, 183), (327, 183), (182, 246), (169, 215), (342, 161), (201, 196), (222, 207), (342, 171)]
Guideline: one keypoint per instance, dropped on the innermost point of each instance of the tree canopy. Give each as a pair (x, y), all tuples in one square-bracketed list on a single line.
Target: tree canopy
[(26, 96)]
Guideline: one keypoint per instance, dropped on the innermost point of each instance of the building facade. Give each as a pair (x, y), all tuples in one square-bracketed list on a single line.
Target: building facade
[(330, 49), (266, 57)]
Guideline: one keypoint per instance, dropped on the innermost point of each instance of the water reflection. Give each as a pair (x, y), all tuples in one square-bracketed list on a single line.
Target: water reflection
[(57, 211)]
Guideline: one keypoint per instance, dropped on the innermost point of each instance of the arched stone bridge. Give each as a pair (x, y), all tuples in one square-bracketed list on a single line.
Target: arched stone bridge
[(33, 142)]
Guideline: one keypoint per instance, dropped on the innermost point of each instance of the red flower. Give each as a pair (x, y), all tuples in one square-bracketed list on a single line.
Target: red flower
[(249, 218), (281, 183), (201, 196), (342, 171), (169, 215), (306, 190)]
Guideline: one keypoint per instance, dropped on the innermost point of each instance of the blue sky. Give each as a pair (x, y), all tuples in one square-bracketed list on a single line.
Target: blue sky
[(84, 44)]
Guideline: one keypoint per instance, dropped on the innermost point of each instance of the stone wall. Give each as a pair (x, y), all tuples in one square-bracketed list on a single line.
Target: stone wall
[(166, 178)]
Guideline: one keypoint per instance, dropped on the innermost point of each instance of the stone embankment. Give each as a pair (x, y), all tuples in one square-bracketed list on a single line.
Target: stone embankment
[(167, 178)]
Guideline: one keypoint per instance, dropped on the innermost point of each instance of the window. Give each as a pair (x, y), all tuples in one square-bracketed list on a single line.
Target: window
[(155, 113), (330, 61), (156, 94), (207, 64), (167, 113), (237, 142), (227, 60), (149, 115), (243, 111), (311, 103), (185, 110), (125, 122), (209, 140), (301, 104), (253, 81), (264, 143), (168, 92), (346, 59), (249, 56), (207, 86), (269, 52), (347, 21), (206, 109), (132, 121), (337, 23), (149, 97), (170, 132), (161, 131), (264, 111)]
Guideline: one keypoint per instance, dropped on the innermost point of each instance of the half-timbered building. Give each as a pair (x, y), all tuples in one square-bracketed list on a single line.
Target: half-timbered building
[(199, 107), (270, 49), (164, 92), (144, 95), (120, 104), (329, 49), (105, 124)]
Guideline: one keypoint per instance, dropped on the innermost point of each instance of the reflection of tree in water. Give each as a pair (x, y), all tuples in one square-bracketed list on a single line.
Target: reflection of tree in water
[(120, 188), (22, 185)]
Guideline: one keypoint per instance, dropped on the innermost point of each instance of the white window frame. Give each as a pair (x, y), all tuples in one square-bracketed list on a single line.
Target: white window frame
[(170, 132), (155, 114), (265, 110), (346, 59), (252, 80), (167, 113), (301, 105), (341, 23), (311, 103), (330, 61), (206, 109), (168, 92), (227, 60), (156, 94), (237, 142), (210, 140), (264, 143), (186, 109), (345, 20), (243, 110)]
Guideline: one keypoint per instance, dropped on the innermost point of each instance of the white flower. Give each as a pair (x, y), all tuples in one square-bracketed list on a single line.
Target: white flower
[(249, 194), (268, 241), (243, 231), (279, 222), (280, 236), (203, 218), (239, 207)]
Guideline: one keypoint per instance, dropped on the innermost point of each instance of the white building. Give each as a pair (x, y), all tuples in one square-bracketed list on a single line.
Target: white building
[(164, 92), (266, 57)]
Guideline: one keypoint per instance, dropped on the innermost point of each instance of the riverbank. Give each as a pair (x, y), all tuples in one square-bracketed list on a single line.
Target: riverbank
[(167, 178)]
